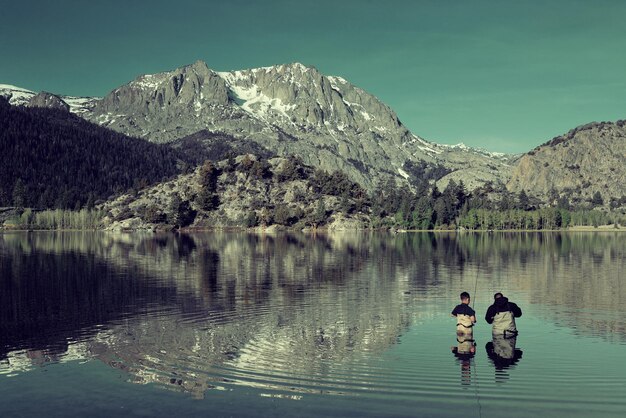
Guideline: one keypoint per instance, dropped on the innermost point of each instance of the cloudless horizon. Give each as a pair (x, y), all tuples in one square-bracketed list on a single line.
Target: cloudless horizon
[(501, 75)]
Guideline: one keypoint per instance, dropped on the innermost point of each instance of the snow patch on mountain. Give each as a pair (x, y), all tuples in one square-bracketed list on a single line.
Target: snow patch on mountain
[(17, 95), (149, 81), (251, 99), (80, 105), (462, 147)]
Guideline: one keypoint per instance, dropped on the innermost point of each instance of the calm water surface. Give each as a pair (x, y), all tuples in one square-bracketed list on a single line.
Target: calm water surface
[(235, 324)]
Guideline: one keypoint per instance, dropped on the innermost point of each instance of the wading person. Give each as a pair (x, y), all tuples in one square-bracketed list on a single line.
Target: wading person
[(465, 315), (502, 316), (503, 355)]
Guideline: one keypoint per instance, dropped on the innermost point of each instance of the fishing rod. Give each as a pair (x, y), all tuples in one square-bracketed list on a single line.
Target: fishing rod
[(476, 385), (475, 286)]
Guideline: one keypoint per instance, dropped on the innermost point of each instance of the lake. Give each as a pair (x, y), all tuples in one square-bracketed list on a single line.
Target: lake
[(352, 324)]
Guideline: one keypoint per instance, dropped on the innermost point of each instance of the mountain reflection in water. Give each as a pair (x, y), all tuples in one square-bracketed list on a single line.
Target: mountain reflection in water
[(286, 312)]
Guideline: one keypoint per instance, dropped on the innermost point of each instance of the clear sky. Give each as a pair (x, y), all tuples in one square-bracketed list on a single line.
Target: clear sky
[(502, 75)]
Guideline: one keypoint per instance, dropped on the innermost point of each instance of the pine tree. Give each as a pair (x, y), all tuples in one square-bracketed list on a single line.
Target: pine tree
[(208, 176), (19, 194), (319, 217), (523, 201), (597, 200), (180, 212)]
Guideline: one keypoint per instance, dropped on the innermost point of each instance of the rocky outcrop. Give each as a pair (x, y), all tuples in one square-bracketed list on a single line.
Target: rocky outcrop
[(48, 100), (586, 160), (249, 192)]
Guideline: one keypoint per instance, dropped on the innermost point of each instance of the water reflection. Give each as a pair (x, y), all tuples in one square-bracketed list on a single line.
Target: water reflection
[(286, 312), (504, 355), (464, 351)]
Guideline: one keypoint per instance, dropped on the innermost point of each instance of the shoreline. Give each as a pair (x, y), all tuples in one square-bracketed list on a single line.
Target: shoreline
[(271, 230)]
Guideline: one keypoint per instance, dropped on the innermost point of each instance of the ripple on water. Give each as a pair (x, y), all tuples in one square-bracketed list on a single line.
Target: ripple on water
[(365, 317)]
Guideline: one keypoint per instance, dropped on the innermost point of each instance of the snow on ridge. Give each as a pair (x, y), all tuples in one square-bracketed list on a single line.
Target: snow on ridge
[(427, 147), (80, 105), (14, 88), (403, 173), (429, 150), (19, 96), (254, 100), (149, 81), (462, 147), (278, 67), (335, 81), (421, 140), (232, 77)]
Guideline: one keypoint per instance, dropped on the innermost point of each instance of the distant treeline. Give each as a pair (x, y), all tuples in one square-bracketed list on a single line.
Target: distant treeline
[(425, 207), (545, 218), (54, 159), (57, 219)]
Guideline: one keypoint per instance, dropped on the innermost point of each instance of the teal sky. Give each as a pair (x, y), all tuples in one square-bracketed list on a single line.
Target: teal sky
[(502, 75)]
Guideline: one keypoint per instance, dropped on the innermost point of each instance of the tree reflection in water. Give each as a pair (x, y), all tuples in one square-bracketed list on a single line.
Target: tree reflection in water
[(198, 311)]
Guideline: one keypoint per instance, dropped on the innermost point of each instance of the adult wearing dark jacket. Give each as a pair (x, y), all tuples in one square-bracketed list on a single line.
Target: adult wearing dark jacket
[(502, 316)]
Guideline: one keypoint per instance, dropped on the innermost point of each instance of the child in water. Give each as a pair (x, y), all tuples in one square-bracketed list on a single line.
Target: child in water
[(465, 315), (466, 347)]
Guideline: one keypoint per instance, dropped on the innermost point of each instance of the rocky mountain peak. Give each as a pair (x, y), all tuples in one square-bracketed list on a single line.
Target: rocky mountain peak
[(173, 96), (287, 109), (199, 66), (301, 99), (48, 100)]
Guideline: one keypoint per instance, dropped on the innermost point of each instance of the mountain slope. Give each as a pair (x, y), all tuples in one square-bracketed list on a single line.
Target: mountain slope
[(588, 159), (51, 158)]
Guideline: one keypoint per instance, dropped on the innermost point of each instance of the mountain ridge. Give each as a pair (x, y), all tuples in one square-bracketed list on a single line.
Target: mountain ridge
[(289, 109), (294, 109)]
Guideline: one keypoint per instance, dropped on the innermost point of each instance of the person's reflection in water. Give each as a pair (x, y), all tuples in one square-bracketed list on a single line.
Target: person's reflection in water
[(465, 351), (503, 355)]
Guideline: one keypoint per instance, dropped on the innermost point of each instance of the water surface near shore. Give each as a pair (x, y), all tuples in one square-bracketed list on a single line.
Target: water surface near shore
[(354, 324)]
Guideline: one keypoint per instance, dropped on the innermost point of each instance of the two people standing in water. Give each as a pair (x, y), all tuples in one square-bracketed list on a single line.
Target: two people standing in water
[(501, 315)]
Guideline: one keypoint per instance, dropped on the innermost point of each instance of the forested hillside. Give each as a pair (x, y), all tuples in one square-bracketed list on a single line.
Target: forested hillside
[(52, 158)]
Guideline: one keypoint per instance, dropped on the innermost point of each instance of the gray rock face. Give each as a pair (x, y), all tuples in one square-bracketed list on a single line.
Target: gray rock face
[(289, 109), (588, 159), (49, 100), (167, 106), (187, 88)]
